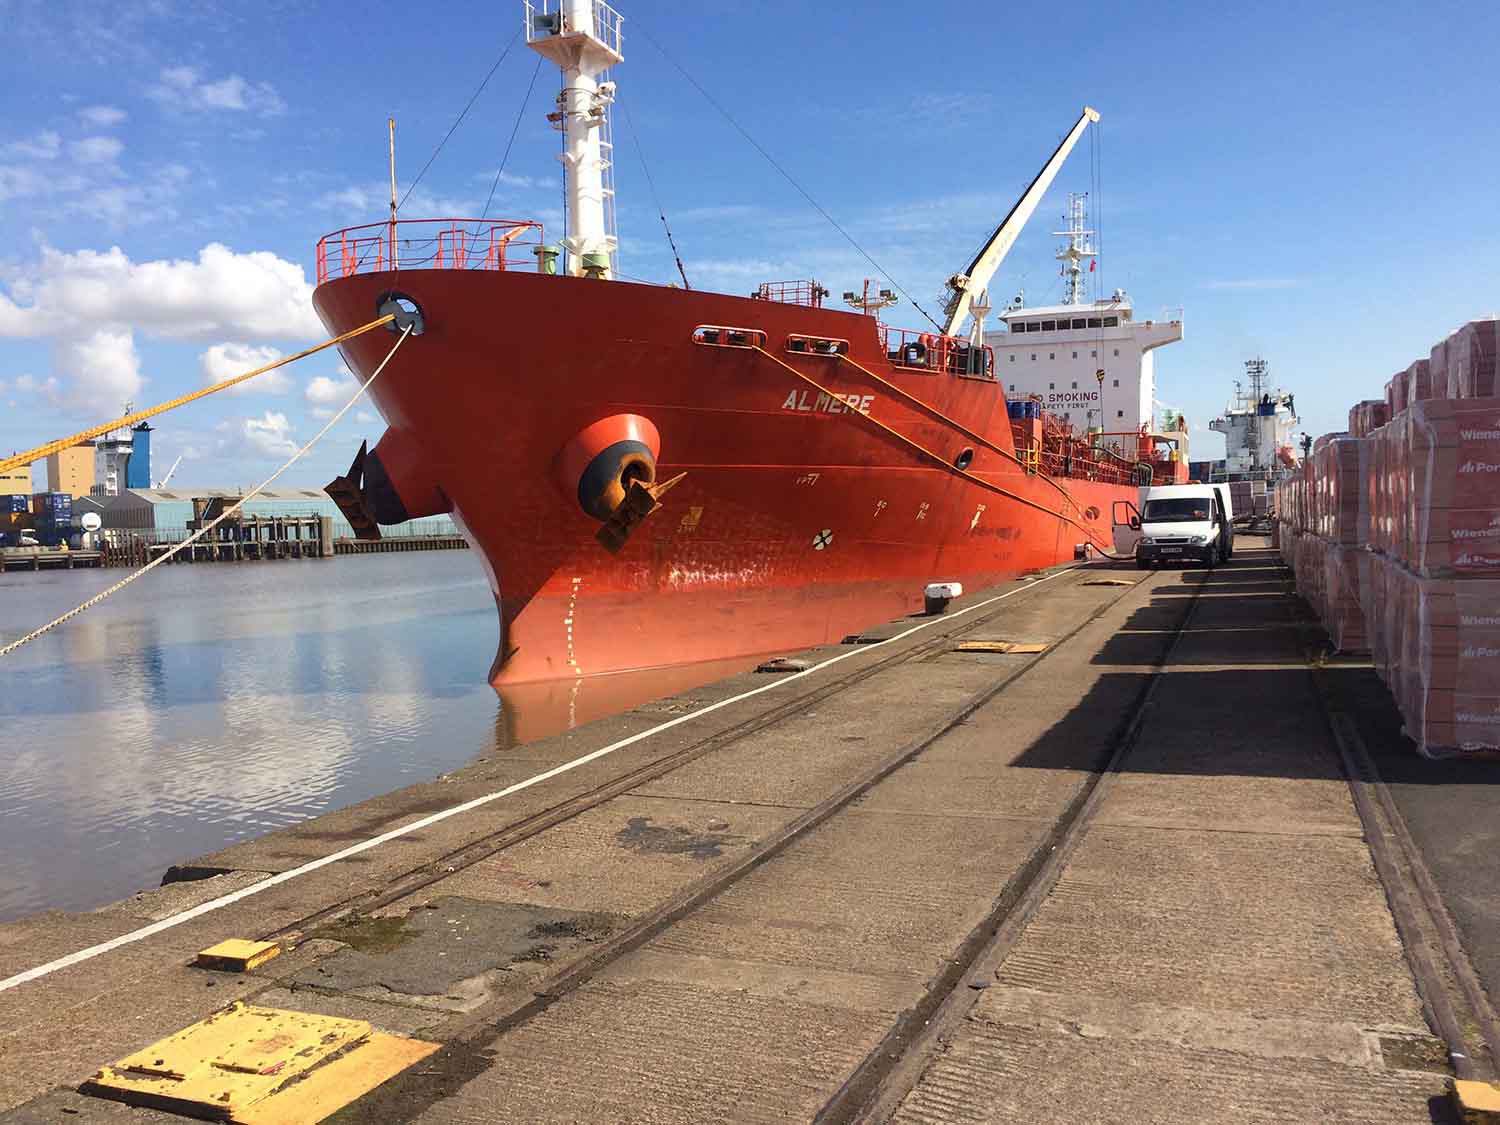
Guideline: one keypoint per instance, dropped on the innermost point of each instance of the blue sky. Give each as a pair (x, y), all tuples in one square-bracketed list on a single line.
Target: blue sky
[(1310, 183)]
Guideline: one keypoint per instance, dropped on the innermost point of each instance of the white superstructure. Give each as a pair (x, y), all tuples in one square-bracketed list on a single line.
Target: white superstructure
[(1257, 426), (1090, 363), (1055, 353), (111, 458), (583, 38)]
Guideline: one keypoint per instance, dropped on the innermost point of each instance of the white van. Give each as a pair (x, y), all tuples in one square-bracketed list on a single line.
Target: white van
[(1178, 522)]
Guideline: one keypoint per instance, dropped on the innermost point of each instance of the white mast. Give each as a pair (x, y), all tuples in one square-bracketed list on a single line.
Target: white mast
[(1077, 249), (583, 38)]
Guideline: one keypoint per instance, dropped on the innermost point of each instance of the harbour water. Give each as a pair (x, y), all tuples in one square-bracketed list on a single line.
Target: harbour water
[(209, 704)]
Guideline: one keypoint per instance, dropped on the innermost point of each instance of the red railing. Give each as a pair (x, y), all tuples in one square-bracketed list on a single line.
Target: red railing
[(425, 244), (930, 352), (808, 293)]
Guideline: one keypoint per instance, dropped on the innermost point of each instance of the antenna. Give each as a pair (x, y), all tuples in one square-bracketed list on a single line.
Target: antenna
[(1256, 370), (1078, 248), (391, 123)]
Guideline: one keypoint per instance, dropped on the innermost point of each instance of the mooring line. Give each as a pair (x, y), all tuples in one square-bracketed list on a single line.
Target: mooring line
[(277, 880), (26, 458), (216, 521)]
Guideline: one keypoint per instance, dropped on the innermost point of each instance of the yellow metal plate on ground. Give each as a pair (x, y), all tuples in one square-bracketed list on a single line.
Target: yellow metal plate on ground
[(236, 955), (998, 646), (1478, 1102), (337, 1083), (222, 1066)]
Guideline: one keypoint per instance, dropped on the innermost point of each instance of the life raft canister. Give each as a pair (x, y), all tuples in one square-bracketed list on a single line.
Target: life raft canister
[(598, 463)]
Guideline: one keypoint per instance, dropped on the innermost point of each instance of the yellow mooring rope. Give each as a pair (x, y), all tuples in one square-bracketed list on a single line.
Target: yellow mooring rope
[(238, 504), (20, 459)]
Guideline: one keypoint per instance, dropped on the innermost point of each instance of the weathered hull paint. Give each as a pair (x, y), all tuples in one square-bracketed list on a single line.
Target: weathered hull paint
[(798, 521)]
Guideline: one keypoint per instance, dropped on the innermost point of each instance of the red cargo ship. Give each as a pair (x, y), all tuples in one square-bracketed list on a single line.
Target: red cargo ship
[(657, 476)]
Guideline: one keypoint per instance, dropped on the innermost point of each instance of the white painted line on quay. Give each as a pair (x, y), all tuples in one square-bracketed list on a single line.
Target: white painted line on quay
[(427, 821)]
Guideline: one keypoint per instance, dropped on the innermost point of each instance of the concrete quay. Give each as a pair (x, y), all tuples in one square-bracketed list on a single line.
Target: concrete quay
[(1148, 872)]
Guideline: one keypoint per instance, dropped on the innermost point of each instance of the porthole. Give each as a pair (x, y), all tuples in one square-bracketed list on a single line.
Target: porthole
[(964, 459)]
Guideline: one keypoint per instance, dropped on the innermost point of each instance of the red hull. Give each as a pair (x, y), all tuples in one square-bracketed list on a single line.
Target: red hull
[(511, 366)]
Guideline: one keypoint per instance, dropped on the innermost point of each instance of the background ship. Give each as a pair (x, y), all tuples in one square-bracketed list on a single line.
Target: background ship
[(1257, 427), (657, 476)]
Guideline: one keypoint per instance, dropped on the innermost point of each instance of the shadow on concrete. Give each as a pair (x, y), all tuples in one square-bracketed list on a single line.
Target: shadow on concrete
[(1258, 714)]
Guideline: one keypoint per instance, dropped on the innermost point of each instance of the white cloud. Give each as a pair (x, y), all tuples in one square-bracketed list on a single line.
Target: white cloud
[(1255, 283), (510, 179), (96, 150), (225, 361), (364, 416), (325, 394), (375, 199), (99, 366), (270, 434), (184, 87), (323, 391), (46, 145), (101, 116), (221, 293), (91, 303)]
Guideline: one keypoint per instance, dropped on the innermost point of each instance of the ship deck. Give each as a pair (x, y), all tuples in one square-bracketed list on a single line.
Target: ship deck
[(1160, 860)]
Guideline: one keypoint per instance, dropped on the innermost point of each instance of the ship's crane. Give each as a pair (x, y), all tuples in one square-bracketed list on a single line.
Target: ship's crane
[(964, 287), (168, 478)]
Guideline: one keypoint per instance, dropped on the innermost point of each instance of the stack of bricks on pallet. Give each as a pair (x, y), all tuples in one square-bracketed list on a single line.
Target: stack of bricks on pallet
[(1411, 546), (1368, 416)]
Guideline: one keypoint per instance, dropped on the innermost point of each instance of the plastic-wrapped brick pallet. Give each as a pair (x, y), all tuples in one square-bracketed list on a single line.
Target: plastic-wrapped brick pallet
[(1447, 676), (1419, 382), (1454, 465), (1342, 613), (1396, 393), (1470, 356)]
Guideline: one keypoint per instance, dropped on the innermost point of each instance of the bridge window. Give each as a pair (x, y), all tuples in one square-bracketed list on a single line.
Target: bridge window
[(1094, 322), (1049, 326), (1018, 326), (1111, 322)]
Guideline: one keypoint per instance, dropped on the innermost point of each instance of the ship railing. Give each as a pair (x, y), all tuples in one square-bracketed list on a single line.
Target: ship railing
[(422, 244), (927, 351), (541, 14), (807, 293)]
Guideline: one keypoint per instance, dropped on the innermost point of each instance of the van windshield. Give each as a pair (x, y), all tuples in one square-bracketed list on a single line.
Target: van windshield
[(1176, 509)]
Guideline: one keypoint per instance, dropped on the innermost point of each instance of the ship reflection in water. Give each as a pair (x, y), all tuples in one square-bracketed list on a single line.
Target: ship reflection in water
[(211, 704)]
